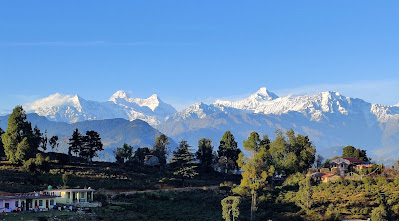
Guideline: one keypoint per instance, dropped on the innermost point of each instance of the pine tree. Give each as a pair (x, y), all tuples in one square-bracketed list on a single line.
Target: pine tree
[(305, 193), (2, 154), (182, 163), (75, 143), (160, 149), (17, 130), (205, 153), (228, 152), (91, 145)]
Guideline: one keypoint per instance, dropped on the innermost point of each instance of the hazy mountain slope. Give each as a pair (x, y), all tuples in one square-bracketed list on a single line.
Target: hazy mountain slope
[(113, 132)]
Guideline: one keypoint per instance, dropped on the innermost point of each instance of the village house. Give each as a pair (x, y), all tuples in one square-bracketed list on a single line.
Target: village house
[(345, 165), (71, 196), (27, 202)]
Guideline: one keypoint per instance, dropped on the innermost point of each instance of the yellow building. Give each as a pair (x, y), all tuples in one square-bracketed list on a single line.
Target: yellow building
[(72, 196)]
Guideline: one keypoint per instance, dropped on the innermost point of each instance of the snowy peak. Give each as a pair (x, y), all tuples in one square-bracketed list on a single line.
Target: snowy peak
[(69, 108), (263, 95), (119, 94)]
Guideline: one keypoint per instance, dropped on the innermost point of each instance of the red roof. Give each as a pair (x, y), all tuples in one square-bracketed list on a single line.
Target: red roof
[(353, 160)]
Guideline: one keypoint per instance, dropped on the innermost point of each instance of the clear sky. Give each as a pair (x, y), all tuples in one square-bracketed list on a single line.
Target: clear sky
[(189, 51)]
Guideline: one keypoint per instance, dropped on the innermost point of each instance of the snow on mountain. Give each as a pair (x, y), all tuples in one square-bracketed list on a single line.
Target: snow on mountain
[(71, 109), (328, 118), (252, 102)]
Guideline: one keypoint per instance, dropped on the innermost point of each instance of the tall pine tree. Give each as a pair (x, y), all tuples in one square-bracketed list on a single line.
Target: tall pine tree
[(182, 163), (205, 154), (160, 149), (228, 152), (75, 143), (17, 130), (2, 154)]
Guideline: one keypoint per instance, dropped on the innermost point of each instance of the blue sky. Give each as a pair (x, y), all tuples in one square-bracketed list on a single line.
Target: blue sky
[(189, 51)]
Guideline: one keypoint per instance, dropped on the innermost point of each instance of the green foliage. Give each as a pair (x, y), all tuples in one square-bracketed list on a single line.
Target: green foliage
[(17, 130), (161, 148), (53, 142), (1, 144), (294, 179), (37, 165), (379, 214), (75, 142), (65, 178), (230, 208), (92, 144), (228, 153), (350, 151), (304, 197), (182, 163), (292, 153), (124, 153), (140, 153), (23, 151), (205, 154)]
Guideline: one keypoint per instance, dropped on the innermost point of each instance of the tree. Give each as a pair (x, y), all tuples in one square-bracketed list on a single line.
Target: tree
[(23, 151), (91, 145), (2, 154), (140, 153), (348, 151), (292, 153), (53, 142), (319, 161), (256, 170), (305, 193), (124, 153), (230, 208), (18, 128), (37, 165), (252, 143), (160, 149), (205, 153), (182, 163), (39, 139), (75, 142), (228, 152), (65, 178), (379, 214)]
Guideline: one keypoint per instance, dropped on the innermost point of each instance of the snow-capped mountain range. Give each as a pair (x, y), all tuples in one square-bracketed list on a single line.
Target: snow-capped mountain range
[(329, 118), (71, 109)]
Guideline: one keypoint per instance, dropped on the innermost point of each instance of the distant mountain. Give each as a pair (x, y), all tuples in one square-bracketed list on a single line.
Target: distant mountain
[(113, 132), (328, 118), (71, 109)]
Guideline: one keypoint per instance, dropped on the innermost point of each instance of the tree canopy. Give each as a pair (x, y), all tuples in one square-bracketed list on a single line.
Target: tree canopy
[(19, 130), (205, 154), (183, 164), (228, 152)]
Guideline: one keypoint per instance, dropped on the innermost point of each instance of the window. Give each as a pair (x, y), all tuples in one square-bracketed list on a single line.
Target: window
[(40, 202), (51, 202), (82, 195), (7, 205), (16, 203), (69, 195)]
